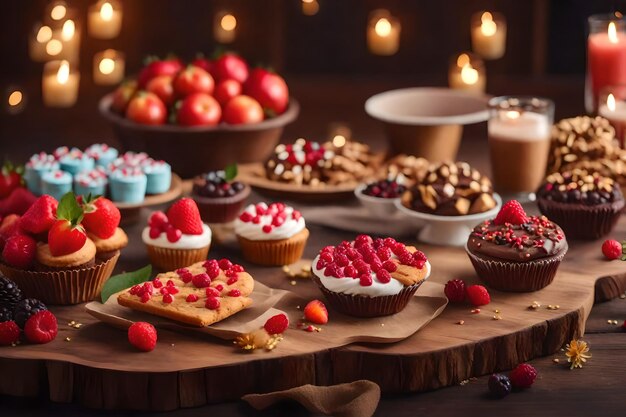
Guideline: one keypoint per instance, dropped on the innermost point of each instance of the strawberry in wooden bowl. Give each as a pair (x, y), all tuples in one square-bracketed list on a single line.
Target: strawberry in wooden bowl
[(49, 255)]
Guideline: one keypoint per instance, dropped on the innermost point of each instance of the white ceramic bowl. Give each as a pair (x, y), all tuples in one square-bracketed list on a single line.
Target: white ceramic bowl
[(378, 207), (448, 230)]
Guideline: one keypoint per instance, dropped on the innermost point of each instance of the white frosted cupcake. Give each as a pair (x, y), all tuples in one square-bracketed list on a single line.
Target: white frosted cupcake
[(271, 235), (178, 238), (370, 278)]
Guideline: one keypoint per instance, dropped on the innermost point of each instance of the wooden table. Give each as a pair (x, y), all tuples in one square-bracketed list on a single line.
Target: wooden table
[(594, 389)]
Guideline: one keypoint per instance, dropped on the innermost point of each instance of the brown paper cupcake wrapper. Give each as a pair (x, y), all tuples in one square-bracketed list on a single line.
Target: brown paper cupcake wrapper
[(221, 210), (167, 259), (582, 222), (364, 306), (70, 286), (517, 276), (274, 252)]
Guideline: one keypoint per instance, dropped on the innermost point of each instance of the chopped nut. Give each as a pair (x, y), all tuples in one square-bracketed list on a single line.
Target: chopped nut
[(497, 317), (461, 322), (556, 360), (292, 282), (67, 339)]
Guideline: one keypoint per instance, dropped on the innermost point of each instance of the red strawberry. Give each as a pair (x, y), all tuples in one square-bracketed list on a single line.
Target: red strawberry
[(143, 336), (10, 179), (523, 376), (612, 249), (455, 290), (276, 324), (511, 212), (478, 295), (10, 226), (9, 333), (185, 216), (41, 327), (40, 217), (67, 235), (316, 312), (19, 251), (101, 217), (18, 202)]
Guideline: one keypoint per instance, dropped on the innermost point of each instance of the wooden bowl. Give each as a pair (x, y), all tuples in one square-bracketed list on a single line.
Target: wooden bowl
[(427, 122), (194, 150)]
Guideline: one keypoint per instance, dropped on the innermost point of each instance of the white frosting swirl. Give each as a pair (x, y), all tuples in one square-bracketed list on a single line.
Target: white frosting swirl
[(185, 242), (352, 286), (254, 231)]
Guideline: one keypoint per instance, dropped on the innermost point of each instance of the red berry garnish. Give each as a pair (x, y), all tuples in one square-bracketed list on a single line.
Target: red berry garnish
[(246, 217), (321, 264), (366, 280), (523, 376), (201, 280), (173, 234), (143, 336), (225, 264), (232, 280), (41, 327), (276, 324), (19, 251), (157, 283), (611, 249), (327, 257), (212, 303), (145, 297), (155, 232), (350, 271), (342, 260), (9, 333), (316, 312), (384, 253), (478, 295), (234, 293), (455, 290), (168, 298), (158, 220), (256, 219), (267, 228), (383, 275), (192, 298), (219, 287), (511, 212), (212, 292), (390, 266)]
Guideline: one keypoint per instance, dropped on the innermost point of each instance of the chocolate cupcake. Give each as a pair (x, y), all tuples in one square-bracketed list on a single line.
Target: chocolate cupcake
[(219, 197), (585, 204), (370, 277), (516, 252), (451, 189)]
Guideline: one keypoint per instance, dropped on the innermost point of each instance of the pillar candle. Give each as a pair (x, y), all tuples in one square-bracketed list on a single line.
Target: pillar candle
[(59, 84), (615, 111), (105, 19), (488, 35), (383, 33), (37, 42), (225, 27), (108, 67), (467, 72)]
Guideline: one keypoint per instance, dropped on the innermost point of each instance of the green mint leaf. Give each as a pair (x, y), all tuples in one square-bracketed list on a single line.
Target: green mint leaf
[(230, 172), (120, 282), (69, 209)]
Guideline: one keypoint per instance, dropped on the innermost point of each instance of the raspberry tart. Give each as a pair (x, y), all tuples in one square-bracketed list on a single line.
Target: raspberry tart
[(516, 252), (200, 295), (370, 277), (585, 204), (274, 234), (49, 256), (220, 198), (177, 238)]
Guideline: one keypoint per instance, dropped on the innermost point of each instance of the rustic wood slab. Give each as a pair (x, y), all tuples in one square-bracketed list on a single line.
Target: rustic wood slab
[(98, 368)]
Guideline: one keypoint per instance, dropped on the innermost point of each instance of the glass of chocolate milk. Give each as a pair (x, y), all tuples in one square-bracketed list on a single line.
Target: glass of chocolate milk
[(519, 143)]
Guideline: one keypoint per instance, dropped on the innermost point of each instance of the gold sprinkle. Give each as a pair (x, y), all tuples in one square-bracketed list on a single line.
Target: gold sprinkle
[(382, 324), (496, 311), (497, 317), (556, 360), (286, 269), (306, 268), (461, 322), (67, 339), (78, 325), (292, 282), (291, 274)]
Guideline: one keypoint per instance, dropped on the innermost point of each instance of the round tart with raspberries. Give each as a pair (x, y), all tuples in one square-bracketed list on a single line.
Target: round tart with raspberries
[(370, 277)]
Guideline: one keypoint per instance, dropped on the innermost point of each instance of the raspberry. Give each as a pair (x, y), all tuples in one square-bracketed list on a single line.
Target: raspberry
[(378, 243), (224, 264), (384, 253), (499, 385), (236, 268), (362, 240), (143, 336), (327, 257), (376, 265), (19, 251), (321, 264), (455, 290), (350, 271), (212, 303), (611, 249), (276, 324), (157, 283), (9, 333), (173, 234), (167, 298), (383, 276), (232, 280), (390, 242), (523, 375), (478, 295), (511, 212), (418, 255), (158, 220), (234, 293), (267, 228), (390, 266), (155, 233), (192, 298), (353, 254), (212, 292), (365, 280), (41, 327), (342, 260), (201, 280)]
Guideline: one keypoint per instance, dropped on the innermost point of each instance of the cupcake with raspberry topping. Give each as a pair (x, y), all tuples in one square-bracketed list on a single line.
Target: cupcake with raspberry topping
[(370, 277), (177, 238), (271, 235), (220, 198), (516, 252), (102, 153), (585, 204)]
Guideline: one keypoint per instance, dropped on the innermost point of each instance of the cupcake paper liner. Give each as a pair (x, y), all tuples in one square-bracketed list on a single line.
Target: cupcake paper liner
[(365, 306), (274, 252), (167, 259), (517, 276), (63, 287), (223, 209), (583, 222)]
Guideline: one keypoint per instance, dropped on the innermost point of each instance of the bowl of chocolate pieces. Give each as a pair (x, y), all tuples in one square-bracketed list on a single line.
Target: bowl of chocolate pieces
[(311, 171), (449, 201)]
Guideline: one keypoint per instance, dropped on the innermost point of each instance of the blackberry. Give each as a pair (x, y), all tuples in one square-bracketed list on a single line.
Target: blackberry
[(6, 314), (499, 385), (215, 184), (26, 308), (10, 294)]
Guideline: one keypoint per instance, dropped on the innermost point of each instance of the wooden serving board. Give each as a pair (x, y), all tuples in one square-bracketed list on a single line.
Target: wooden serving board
[(98, 368)]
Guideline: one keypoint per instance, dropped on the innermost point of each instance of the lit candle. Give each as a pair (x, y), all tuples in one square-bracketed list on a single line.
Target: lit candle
[(108, 67), (383, 33), (105, 19), (467, 72), (69, 37), (37, 42), (488, 35), (606, 56), (15, 100), (615, 111), (225, 27), (59, 85), (310, 7)]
